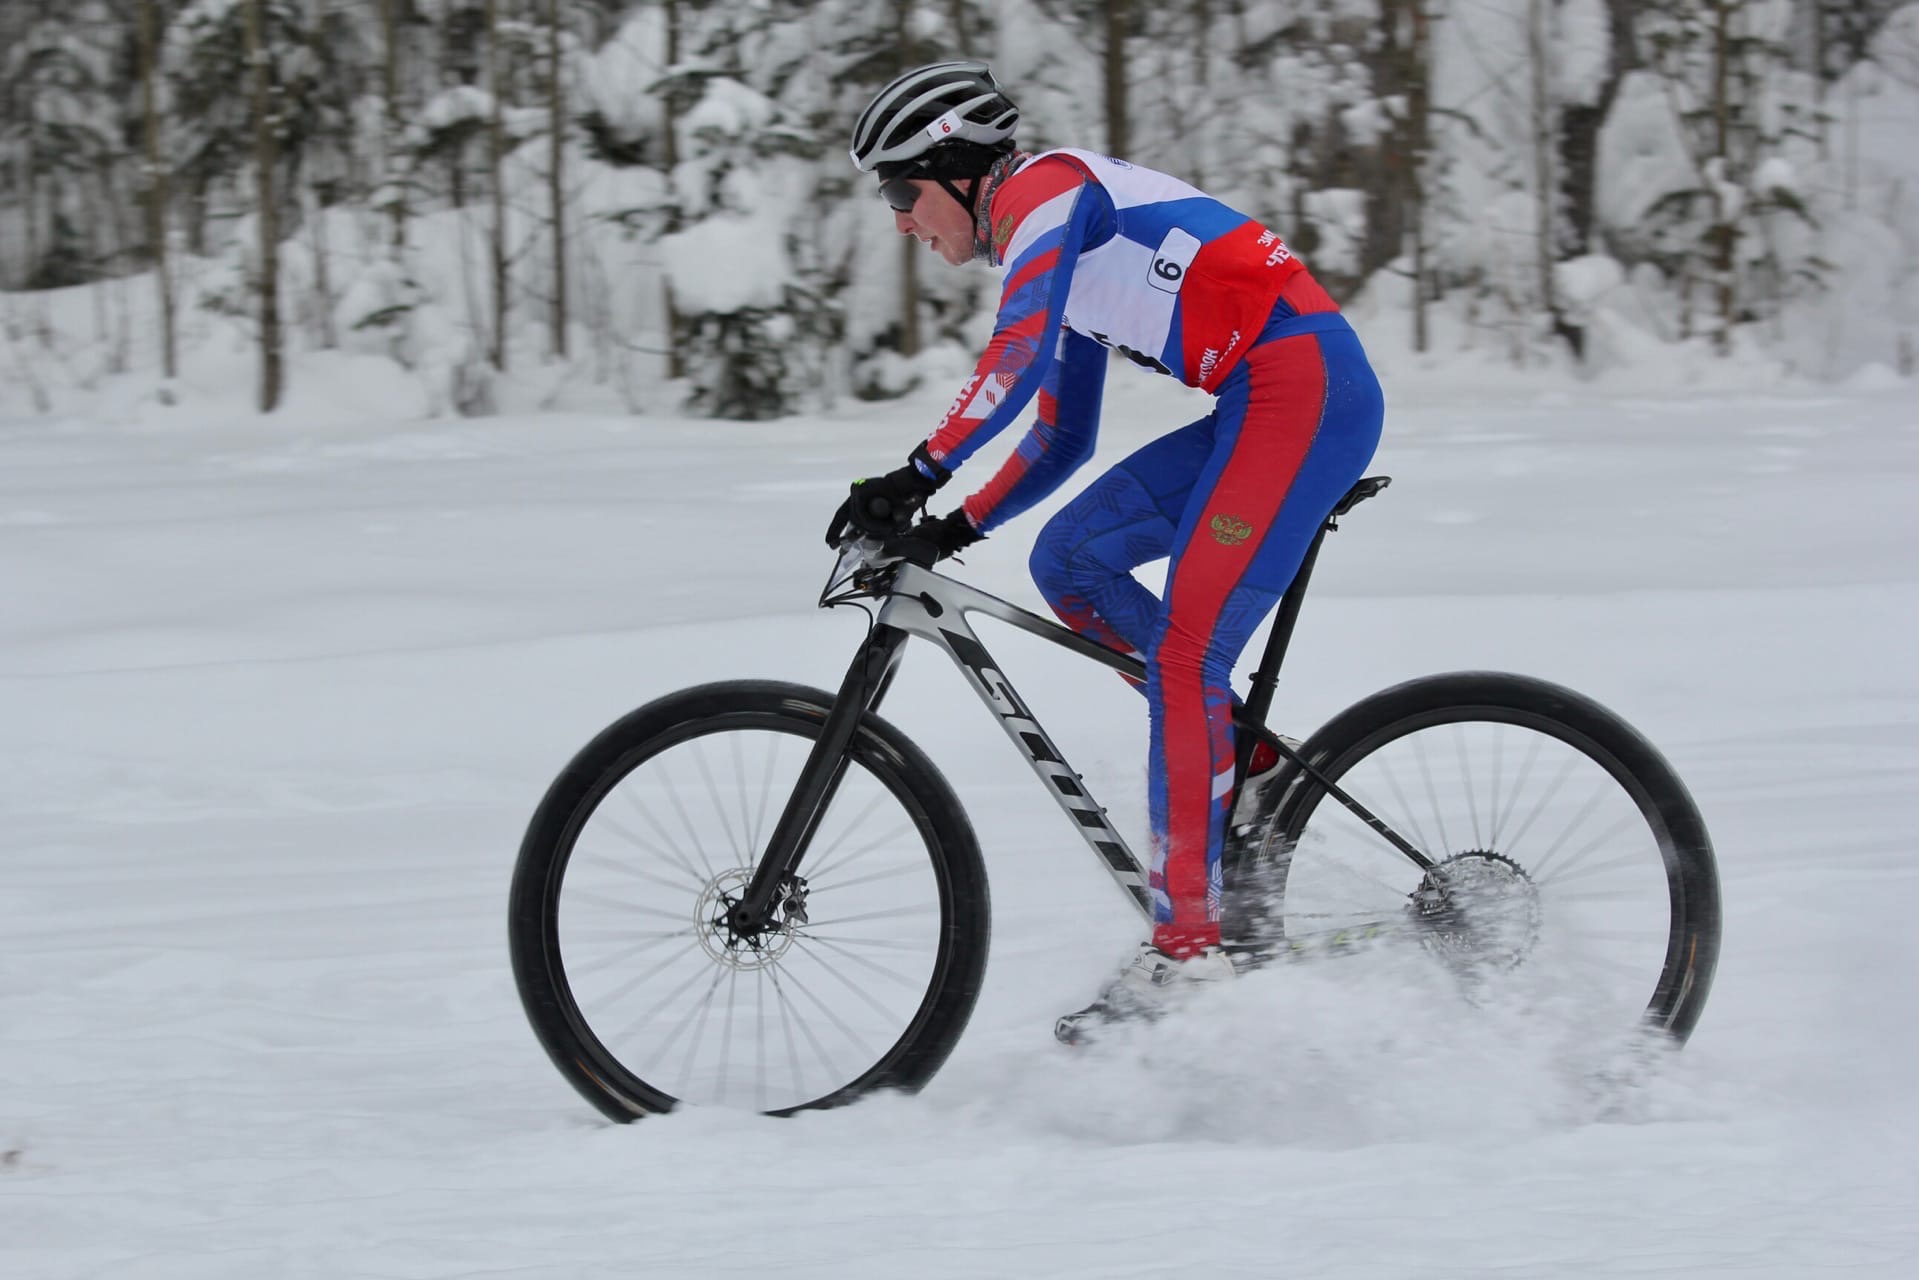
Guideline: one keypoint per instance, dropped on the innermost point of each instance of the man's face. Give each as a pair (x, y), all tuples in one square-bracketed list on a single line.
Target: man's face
[(938, 220)]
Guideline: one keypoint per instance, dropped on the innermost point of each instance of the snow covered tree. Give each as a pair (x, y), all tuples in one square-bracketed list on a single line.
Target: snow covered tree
[(212, 134), (1739, 115), (60, 132), (1600, 49), (773, 89), (757, 328), (156, 186), (496, 87), (895, 307)]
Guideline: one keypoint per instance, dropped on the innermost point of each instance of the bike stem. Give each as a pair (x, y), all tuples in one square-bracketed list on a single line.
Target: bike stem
[(867, 680)]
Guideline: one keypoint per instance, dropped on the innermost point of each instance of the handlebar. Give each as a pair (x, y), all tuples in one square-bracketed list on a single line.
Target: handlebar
[(862, 567)]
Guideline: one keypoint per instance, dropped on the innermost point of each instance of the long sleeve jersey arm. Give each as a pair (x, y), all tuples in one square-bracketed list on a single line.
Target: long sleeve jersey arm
[(1045, 214), (1059, 441)]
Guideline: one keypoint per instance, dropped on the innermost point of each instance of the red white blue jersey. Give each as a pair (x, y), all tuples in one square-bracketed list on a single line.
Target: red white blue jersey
[(1103, 255)]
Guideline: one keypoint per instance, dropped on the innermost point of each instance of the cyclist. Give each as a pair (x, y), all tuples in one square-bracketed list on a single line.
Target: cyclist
[(1101, 256)]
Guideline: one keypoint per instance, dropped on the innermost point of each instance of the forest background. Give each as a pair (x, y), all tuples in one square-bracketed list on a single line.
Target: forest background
[(474, 206)]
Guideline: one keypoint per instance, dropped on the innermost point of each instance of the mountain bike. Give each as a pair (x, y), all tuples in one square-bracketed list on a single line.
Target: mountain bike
[(763, 895)]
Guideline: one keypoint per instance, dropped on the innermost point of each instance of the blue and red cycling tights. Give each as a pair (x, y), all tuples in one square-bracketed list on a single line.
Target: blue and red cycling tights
[(1234, 500)]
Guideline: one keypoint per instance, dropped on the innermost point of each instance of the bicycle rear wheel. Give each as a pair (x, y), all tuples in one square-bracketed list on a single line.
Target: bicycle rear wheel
[(1569, 861), (638, 990)]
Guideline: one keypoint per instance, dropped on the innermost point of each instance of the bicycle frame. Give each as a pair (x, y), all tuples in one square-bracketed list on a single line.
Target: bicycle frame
[(915, 601)]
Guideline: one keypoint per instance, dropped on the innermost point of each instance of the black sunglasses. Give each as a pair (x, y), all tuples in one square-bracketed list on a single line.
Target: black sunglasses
[(900, 194)]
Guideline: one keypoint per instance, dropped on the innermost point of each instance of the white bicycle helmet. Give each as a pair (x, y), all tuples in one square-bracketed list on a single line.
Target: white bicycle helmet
[(929, 105)]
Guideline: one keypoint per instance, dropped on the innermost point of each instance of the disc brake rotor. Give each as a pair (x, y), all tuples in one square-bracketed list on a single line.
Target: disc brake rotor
[(725, 944)]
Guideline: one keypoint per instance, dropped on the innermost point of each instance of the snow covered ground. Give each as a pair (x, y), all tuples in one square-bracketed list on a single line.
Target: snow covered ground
[(277, 699)]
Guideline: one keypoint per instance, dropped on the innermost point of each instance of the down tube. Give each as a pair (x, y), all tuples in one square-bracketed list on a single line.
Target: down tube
[(950, 631)]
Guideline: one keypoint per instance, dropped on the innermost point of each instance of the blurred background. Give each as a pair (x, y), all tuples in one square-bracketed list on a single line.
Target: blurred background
[(477, 206)]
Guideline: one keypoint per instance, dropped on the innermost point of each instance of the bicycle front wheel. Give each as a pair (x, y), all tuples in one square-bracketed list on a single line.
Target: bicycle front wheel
[(1565, 856), (641, 994)]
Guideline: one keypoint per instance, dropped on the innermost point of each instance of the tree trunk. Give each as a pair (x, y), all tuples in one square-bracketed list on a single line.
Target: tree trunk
[(962, 38), (1419, 148), (675, 355), (396, 181), (114, 210), (322, 269), (1539, 55), (265, 157), (30, 162), (556, 98), (1724, 234), (156, 188), (197, 212), (97, 214), (1202, 49), (1578, 159), (1118, 27), (496, 154), (1579, 126), (1821, 52)]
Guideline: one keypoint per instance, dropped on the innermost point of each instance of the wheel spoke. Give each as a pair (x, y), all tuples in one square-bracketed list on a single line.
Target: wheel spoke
[(1578, 857), (673, 794), (1600, 791), (766, 795), (633, 984), (851, 1036), (651, 940), (1535, 743), (726, 1031), (719, 807), (601, 900), (805, 1028), (1426, 773), (819, 958), (1492, 801), (1466, 781), (666, 841), (891, 975), (693, 1013), (871, 877), (1552, 792), (705, 1010), (1409, 822), (759, 1040), (825, 855), (692, 881), (888, 913), (883, 944)]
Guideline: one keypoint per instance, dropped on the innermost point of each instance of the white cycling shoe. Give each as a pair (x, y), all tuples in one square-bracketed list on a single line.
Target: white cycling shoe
[(1145, 989)]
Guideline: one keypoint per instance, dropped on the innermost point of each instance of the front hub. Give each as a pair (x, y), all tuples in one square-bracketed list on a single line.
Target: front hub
[(728, 940)]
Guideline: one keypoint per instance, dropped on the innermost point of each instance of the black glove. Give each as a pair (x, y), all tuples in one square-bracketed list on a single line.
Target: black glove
[(934, 538), (885, 505)]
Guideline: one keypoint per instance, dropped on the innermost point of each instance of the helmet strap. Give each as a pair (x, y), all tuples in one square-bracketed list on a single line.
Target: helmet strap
[(966, 199)]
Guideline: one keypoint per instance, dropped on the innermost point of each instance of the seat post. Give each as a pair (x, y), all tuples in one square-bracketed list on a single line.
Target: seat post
[(1260, 700)]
